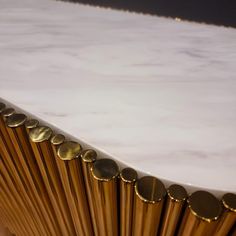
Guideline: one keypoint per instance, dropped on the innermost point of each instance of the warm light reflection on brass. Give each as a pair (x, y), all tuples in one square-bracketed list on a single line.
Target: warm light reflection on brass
[(69, 150), (104, 187), (228, 218), (7, 112), (57, 139), (105, 170), (31, 123), (40, 134), (128, 177), (176, 196), (149, 199), (16, 120), (88, 157), (70, 170), (200, 215)]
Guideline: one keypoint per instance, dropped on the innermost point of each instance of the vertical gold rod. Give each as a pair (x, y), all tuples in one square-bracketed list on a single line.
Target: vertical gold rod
[(18, 221), (128, 177), (39, 140), (88, 157), (71, 175), (12, 184), (149, 199), (104, 181), (54, 186), (228, 218), (176, 197), (201, 215), (11, 160), (55, 141), (19, 137), (6, 219)]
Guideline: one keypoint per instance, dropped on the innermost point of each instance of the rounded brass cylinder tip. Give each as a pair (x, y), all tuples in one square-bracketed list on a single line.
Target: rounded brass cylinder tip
[(228, 218), (88, 157), (176, 197), (70, 169), (104, 181), (128, 177), (31, 123), (7, 112), (150, 194), (2, 107), (201, 215)]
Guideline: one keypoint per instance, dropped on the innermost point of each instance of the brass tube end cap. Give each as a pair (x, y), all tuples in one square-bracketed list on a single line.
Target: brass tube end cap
[(69, 150), (229, 201), (177, 193), (88, 156), (105, 170), (128, 175), (204, 205), (40, 134), (57, 139), (16, 120), (32, 123), (7, 112), (150, 189)]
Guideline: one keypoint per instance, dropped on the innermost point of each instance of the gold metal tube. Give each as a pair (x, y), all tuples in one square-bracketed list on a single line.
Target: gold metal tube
[(128, 177), (18, 221), (88, 157), (40, 143), (104, 181), (176, 197), (149, 199), (201, 215), (11, 160), (7, 216), (18, 134), (228, 218), (71, 175), (30, 124)]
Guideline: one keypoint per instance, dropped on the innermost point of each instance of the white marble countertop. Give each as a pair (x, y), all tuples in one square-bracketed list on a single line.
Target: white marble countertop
[(156, 94)]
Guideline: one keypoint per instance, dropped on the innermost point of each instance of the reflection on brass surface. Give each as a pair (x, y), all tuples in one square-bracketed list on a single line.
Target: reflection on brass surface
[(16, 120), (57, 139), (70, 170), (105, 170), (88, 157), (128, 177), (201, 214), (104, 187), (40, 134), (69, 150), (176, 196), (149, 199), (7, 112), (228, 218), (31, 123)]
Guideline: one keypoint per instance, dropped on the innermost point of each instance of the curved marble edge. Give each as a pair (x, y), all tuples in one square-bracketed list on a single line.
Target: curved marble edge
[(103, 154)]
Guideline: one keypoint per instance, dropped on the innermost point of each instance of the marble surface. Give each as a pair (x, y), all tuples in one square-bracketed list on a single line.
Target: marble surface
[(153, 93)]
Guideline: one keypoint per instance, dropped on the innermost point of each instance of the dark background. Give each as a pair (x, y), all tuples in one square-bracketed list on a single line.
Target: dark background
[(219, 12)]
